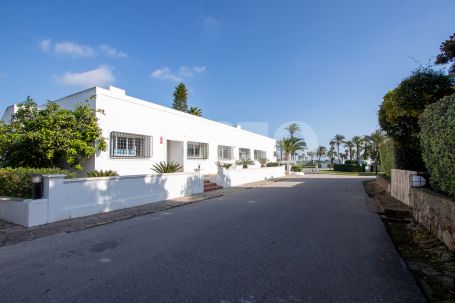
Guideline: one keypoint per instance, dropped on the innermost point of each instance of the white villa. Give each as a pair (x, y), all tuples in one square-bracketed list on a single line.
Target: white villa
[(140, 133)]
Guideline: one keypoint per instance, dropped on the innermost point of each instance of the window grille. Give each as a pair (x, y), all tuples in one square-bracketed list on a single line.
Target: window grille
[(225, 152), (244, 154), (259, 154), (124, 145), (197, 150)]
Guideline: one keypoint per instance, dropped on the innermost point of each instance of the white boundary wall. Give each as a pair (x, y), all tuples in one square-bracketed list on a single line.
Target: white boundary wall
[(400, 185), (233, 177), (72, 198)]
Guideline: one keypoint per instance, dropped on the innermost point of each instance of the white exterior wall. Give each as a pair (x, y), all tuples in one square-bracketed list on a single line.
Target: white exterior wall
[(126, 114), (234, 177)]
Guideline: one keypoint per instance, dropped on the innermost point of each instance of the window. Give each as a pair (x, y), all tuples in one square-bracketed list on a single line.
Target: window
[(259, 154), (197, 150), (125, 145), (244, 154), (224, 152)]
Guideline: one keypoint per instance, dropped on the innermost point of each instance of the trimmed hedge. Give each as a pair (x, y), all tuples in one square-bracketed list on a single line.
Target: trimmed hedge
[(437, 139), (17, 182), (349, 167), (272, 164), (387, 157), (296, 168)]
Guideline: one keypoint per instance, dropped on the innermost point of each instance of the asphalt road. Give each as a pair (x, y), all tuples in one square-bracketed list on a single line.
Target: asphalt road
[(301, 240)]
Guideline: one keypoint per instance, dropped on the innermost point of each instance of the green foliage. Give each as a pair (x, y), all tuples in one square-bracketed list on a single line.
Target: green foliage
[(102, 173), (180, 98), (50, 137), (293, 128), (196, 111), (401, 108), (263, 162), (223, 164), (292, 145), (349, 167), (447, 54), (437, 140), (164, 167), (273, 164), (338, 140), (296, 168), (387, 156), (351, 162), (244, 162), (17, 182), (357, 141)]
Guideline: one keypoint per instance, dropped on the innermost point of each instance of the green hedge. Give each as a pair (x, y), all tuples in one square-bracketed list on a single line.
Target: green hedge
[(17, 182), (349, 167), (437, 138), (387, 156), (296, 168), (272, 164)]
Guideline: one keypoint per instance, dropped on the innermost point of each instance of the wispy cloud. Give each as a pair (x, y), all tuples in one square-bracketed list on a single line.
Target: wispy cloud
[(183, 73), (210, 23), (112, 52), (76, 50), (100, 76)]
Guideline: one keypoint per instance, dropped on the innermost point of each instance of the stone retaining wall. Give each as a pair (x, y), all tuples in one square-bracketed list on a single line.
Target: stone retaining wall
[(383, 182), (436, 212)]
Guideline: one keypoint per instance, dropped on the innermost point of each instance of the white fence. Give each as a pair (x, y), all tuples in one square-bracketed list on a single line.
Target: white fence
[(233, 177), (72, 198)]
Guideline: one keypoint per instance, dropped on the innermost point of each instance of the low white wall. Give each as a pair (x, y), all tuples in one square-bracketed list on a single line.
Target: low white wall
[(233, 177), (400, 184), (72, 198)]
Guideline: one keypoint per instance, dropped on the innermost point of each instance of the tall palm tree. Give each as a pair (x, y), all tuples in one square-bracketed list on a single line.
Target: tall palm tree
[(321, 151), (279, 148), (377, 138), (350, 146), (310, 154), (366, 146), (292, 145), (358, 141), (293, 128), (338, 140)]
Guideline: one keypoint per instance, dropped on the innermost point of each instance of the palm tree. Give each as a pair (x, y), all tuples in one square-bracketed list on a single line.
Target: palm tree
[(292, 145), (279, 148), (338, 140), (321, 151), (310, 154), (350, 146), (377, 138), (293, 128), (196, 111), (366, 146), (358, 141)]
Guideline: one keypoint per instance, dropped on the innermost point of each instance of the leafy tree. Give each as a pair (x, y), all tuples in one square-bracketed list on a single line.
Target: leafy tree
[(196, 111), (338, 140), (401, 108), (293, 128), (358, 141), (447, 54), (180, 98), (51, 137)]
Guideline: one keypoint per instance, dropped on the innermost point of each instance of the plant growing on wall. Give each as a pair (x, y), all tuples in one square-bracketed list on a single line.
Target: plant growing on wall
[(244, 162), (164, 167), (102, 173), (50, 137)]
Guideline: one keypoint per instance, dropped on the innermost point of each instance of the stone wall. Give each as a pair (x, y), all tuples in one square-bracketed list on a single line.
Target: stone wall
[(436, 212)]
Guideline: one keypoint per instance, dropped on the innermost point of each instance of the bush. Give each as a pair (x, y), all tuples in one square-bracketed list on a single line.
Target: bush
[(164, 167), (17, 182), (102, 173), (296, 168), (387, 156), (349, 167), (329, 165), (272, 164), (437, 138), (351, 162)]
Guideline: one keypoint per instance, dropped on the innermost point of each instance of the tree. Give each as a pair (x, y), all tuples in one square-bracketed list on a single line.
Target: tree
[(338, 140), (447, 54), (196, 111), (358, 141), (350, 146), (366, 147), (51, 137), (292, 145), (377, 138), (180, 98), (311, 154), (293, 128), (401, 108), (321, 151), (279, 148)]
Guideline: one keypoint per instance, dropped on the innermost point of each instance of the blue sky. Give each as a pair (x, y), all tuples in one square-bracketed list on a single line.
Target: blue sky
[(326, 64)]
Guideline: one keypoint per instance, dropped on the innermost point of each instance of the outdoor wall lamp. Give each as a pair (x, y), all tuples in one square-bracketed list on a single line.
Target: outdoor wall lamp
[(417, 181), (37, 186)]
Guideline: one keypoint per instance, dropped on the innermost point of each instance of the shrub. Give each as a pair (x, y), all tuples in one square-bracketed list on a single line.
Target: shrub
[(349, 167), (296, 168), (387, 156), (437, 138), (17, 182), (263, 162), (244, 162), (164, 167), (351, 162), (329, 165), (224, 165), (272, 164), (102, 173)]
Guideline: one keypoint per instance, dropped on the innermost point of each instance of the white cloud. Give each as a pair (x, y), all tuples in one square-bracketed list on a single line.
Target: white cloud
[(100, 76), (210, 23), (184, 72), (45, 44), (112, 52), (73, 49)]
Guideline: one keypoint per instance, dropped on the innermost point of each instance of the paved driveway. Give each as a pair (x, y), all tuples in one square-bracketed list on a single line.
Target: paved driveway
[(311, 239)]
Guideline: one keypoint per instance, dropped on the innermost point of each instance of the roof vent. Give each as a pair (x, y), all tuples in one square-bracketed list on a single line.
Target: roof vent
[(117, 90)]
